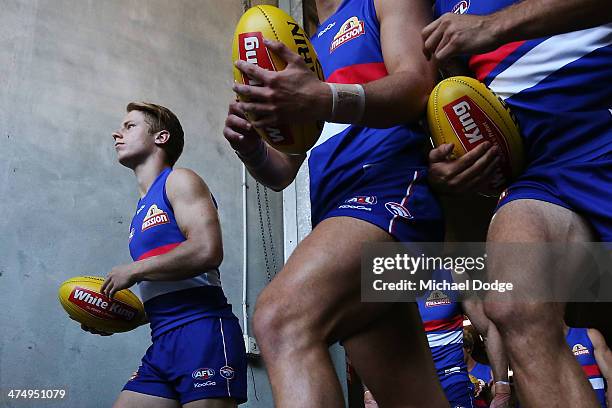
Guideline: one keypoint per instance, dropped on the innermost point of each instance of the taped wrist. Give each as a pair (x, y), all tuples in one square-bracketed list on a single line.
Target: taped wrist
[(348, 102), (255, 159)]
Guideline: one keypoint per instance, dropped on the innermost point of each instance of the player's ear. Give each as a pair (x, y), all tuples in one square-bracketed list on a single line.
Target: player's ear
[(162, 137)]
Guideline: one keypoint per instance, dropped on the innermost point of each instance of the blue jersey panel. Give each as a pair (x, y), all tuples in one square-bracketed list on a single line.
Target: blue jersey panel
[(349, 48), (154, 231), (582, 348)]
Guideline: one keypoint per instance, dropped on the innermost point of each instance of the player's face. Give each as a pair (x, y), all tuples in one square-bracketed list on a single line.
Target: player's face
[(133, 142)]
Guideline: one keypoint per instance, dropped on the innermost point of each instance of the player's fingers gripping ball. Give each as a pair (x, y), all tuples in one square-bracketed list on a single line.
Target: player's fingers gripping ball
[(464, 112), (82, 299), (272, 23)]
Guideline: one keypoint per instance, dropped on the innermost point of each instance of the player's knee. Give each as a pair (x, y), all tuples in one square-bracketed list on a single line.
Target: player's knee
[(271, 323), (515, 317), (278, 323)]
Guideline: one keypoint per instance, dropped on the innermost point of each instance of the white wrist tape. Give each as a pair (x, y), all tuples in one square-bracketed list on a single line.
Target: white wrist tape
[(348, 102)]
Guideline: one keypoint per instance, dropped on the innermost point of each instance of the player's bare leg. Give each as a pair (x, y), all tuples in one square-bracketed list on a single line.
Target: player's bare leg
[(380, 352), (212, 403), (546, 372), (314, 301), (131, 399)]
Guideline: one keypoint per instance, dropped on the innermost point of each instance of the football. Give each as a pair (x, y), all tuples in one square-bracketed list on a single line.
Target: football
[(464, 112), (81, 299), (269, 22)]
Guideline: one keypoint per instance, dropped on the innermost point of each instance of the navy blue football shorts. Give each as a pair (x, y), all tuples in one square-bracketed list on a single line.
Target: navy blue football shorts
[(202, 359)]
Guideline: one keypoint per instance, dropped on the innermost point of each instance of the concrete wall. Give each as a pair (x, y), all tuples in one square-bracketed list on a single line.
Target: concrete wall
[(67, 70)]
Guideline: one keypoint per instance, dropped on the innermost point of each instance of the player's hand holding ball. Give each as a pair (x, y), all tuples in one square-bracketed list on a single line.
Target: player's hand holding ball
[(470, 172), (120, 277), (293, 95), (239, 132)]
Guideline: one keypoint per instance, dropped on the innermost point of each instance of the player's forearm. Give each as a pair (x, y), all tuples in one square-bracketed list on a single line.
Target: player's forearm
[(187, 260), (395, 99), (538, 18), (271, 168)]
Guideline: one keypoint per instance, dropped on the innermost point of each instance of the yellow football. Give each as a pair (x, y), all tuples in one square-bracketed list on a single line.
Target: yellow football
[(464, 112), (81, 299), (272, 23)]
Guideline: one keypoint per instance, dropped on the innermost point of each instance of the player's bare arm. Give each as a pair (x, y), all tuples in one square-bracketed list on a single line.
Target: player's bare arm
[(296, 95), (202, 250), (268, 166), (457, 34), (603, 357)]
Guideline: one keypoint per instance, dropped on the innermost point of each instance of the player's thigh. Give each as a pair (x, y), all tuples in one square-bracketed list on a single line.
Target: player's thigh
[(528, 220), (131, 399), (535, 245), (319, 287), (212, 403)]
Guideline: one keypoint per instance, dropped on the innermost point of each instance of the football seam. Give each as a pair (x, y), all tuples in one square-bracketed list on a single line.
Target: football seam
[(435, 103), (269, 22)]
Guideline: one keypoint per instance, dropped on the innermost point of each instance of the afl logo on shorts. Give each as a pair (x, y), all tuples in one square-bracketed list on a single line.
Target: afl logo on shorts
[(203, 374), (154, 217), (227, 372), (362, 200), (461, 7), (398, 210)]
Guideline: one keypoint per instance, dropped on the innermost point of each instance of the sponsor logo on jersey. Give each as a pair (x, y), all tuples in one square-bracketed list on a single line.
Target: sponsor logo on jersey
[(326, 29), (580, 350), (227, 372), (204, 384), (154, 217), (140, 209), (101, 306), (371, 200), (203, 374), (398, 209), (437, 298), (461, 7), (351, 29)]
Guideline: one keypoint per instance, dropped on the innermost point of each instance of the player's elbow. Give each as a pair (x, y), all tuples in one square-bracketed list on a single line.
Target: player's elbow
[(209, 257)]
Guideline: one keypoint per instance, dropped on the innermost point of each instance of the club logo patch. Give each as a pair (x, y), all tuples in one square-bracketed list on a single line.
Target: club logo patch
[(437, 298), (580, 350), (154, 217), (227, 372), (461, 7), (398, 210), (351, 29), (203, 374)]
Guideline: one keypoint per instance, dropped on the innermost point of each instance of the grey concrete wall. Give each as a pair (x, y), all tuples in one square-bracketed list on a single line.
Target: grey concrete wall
[(67, 69)]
